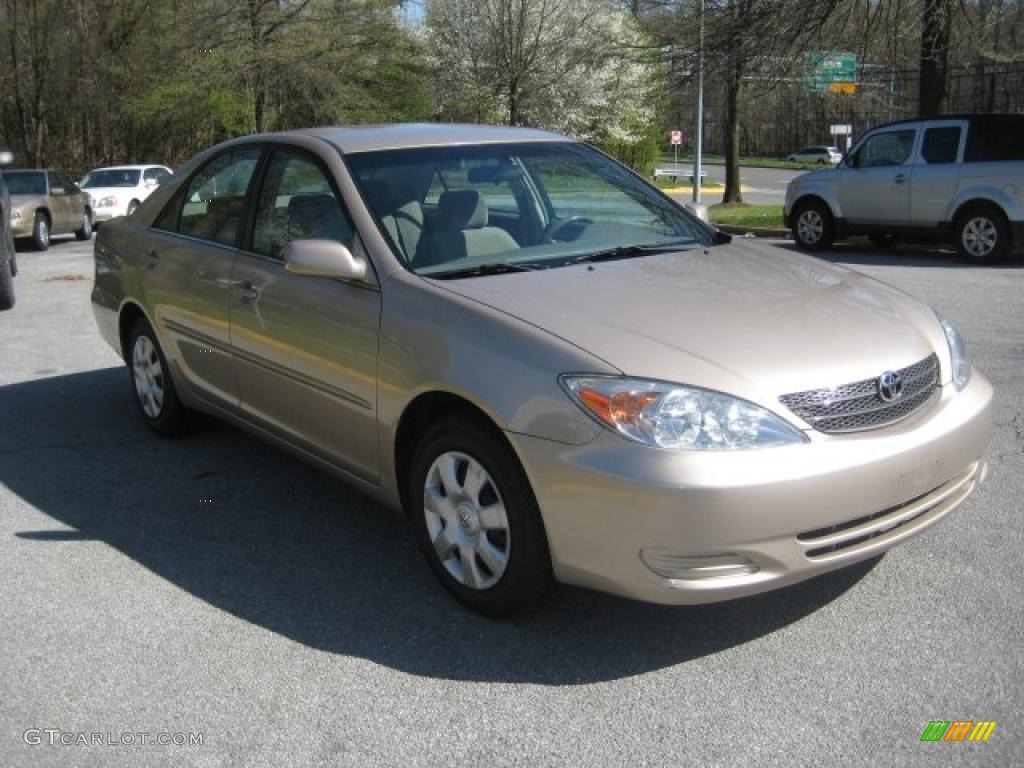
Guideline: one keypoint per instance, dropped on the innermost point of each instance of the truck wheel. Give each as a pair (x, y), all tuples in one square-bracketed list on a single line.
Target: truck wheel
[(813, 226), (6, 285), (982, 234)]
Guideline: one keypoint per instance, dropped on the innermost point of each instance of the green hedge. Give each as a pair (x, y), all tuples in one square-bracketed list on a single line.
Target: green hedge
[(640, 155)]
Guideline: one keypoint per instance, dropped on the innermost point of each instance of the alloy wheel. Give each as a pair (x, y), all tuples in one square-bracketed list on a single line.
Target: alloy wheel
[(979, 236), (810, 226), (466, 520)]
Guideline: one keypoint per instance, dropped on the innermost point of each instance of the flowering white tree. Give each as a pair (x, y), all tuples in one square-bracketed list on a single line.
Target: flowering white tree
[(577, 66)]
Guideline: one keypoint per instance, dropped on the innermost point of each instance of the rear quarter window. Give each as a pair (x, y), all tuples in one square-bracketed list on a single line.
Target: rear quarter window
[(995, 140)]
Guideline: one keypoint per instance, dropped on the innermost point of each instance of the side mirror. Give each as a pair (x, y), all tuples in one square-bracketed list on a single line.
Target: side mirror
[(323, 258), (851, 161), (6, 156)]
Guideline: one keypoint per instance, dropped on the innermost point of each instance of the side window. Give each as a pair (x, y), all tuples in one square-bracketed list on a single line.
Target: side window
[(69, 186), (297, 202), (214, 203), (940, 145), (993, 141), (159, 175), (889, 148), (55, 183)]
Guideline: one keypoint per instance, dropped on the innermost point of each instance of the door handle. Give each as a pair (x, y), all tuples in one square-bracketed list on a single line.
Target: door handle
[(246, 292), (900, 178)]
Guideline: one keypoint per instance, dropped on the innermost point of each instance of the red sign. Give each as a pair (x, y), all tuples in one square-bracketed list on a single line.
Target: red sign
[(677, 138)]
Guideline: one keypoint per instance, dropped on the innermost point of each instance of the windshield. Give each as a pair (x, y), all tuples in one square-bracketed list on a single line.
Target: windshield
[(25, 182), (113, 177), (538, 205)]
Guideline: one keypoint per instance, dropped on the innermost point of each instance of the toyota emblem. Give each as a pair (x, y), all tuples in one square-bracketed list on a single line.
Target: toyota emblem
[(890, 386)]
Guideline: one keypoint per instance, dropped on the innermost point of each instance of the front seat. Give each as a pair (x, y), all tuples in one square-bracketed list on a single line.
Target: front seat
[(460, 231)]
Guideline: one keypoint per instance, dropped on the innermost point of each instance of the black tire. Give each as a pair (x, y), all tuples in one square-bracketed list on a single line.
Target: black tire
[(972, 231), (802, 235), (84, 232), (14, 261), (41, 231), (527, 573), (6, 284), (883, 241), (132, 207), (171, 418)]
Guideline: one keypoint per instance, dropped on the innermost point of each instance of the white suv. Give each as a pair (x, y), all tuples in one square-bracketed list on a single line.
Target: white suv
[(118, 190), (957, 179)]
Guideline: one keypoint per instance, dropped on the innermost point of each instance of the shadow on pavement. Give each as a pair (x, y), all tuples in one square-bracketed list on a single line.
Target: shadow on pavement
[(905, 255), (290, 549)]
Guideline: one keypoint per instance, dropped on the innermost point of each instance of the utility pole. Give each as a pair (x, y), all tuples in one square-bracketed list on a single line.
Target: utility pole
[(698, 132)]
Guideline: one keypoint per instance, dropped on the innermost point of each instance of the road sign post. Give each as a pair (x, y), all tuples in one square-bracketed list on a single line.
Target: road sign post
[(677, 139)]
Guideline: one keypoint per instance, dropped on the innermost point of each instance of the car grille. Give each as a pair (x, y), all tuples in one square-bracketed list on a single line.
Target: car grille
[(861, 533), (857, 406)]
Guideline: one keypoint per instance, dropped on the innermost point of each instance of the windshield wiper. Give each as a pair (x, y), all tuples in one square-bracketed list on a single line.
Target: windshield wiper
[(482, 270), (631, 251)]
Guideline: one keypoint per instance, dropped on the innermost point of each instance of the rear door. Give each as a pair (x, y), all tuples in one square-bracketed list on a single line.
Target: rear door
[(306, 347), (188, 260), (936, 171), (874, 187)]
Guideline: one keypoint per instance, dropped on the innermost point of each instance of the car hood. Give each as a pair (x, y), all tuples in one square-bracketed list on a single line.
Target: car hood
[(99, 192), (742, 318)]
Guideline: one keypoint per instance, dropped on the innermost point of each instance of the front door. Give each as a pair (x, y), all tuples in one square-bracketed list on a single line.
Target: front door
[(306, 347), (874, 187)]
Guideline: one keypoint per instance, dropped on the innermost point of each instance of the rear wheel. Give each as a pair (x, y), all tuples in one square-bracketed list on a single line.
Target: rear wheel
[(84, 232), (477, 519), (982, 234), (813, 226), (152, 384), (41, 231)]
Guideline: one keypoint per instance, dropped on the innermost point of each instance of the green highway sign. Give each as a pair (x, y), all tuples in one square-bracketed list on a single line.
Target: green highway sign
[(823, 68)]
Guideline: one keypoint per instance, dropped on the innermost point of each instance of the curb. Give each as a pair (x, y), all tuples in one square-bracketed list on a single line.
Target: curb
[(753, 231)]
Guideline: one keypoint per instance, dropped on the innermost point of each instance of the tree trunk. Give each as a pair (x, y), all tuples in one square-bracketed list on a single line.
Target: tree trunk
[(732, 133), (936, 19)]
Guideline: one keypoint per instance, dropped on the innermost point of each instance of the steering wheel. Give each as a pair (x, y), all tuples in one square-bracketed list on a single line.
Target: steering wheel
[(558, 225)]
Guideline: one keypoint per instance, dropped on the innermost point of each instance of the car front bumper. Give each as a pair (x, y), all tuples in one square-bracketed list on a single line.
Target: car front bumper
[(108, 213), (22, 226), (684, 527)]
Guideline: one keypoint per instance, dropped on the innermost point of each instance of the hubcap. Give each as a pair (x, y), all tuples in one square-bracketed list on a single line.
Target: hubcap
[(979, 236), (466, 520), (149, 376), (810, 226)]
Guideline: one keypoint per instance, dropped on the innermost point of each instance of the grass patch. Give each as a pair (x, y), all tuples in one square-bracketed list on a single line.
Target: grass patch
[(744, 215), (748, 162), (676, 185)]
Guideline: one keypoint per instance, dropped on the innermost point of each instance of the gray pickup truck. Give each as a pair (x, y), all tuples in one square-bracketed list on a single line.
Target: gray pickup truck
[(957, 179)]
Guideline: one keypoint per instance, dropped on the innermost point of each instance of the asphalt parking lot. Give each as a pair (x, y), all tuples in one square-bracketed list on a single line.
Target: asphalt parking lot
[(214, 585)]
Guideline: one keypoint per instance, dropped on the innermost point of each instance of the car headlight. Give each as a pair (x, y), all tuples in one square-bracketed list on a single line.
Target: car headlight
[(106, 202), (676, 416), (957, 354)]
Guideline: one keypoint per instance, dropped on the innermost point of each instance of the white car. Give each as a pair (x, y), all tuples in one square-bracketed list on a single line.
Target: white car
[(821, 155), (118, 190)]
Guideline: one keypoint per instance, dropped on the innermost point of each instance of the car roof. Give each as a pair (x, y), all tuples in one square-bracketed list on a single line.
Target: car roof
[(368, 138), (128, 167), (988, 118)]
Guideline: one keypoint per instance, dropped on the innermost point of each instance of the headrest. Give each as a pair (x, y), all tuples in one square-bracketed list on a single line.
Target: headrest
[(461, 209)]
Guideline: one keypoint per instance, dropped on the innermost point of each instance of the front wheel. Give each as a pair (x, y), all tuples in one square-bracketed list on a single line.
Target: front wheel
[(41, 231), (813, 226), (983, 235), (84, 232), (477, 519)]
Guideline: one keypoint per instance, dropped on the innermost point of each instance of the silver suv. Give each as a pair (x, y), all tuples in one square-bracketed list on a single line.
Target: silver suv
[(957, 179)]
